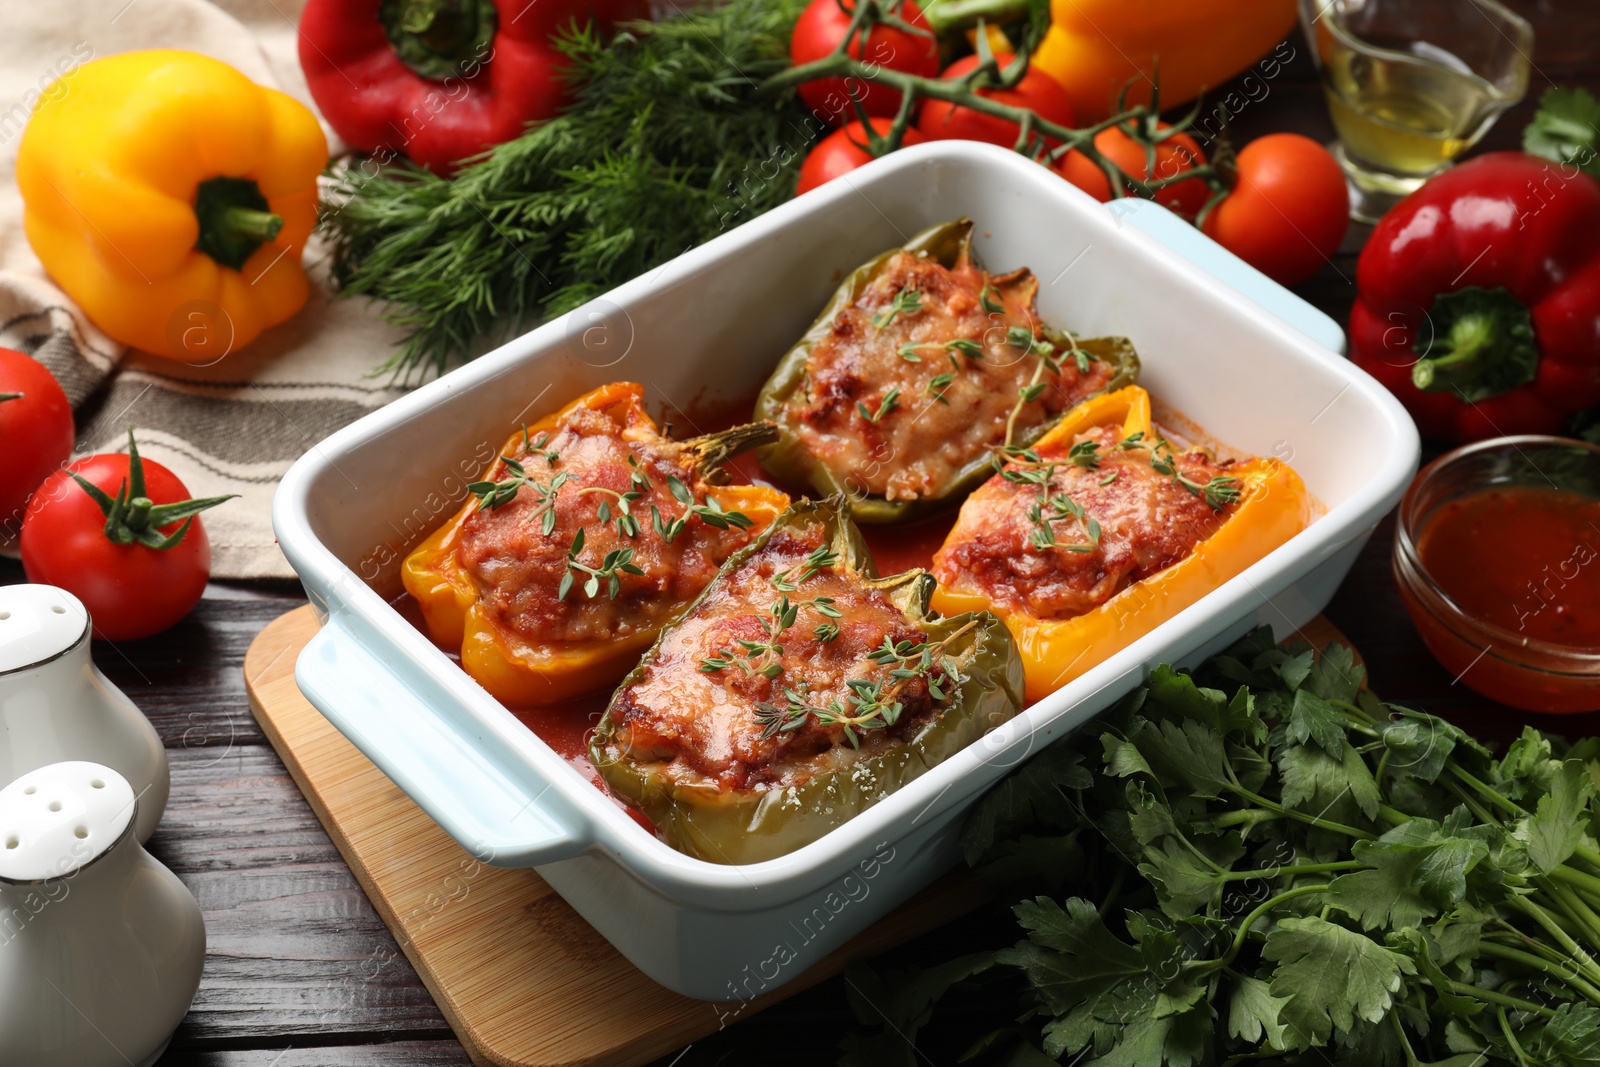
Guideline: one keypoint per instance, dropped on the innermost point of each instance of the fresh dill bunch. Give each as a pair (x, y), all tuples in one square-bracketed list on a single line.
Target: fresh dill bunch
[(667, 144)]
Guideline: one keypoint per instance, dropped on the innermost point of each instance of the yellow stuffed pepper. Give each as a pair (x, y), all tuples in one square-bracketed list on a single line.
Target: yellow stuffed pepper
[(1103, 530), (170, 196), (590, 533)]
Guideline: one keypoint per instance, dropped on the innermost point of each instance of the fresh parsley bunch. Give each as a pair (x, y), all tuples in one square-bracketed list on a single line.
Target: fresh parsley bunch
[(1284, 871), (1566, 129)]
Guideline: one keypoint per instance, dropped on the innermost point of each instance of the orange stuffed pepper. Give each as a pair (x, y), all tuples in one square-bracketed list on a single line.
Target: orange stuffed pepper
[(590, 533), (1103, 530)]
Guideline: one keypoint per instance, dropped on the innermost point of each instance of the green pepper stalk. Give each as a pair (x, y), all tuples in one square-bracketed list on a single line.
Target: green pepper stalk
[(750, 825), (790, 461)]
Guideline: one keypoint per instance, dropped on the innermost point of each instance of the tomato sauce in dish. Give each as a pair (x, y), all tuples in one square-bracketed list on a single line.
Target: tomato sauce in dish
[(564, 727), (1522, 558)]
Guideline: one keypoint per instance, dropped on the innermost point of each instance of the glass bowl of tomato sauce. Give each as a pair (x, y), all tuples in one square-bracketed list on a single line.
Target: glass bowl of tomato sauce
[(1497, 557)]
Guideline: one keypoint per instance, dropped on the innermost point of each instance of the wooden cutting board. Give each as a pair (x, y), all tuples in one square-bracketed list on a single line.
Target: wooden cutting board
[(523, 980)]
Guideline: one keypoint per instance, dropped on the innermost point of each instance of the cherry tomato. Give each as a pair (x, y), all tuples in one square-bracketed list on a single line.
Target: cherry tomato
[(1173, 156), (1289, 211), (843, 150), (821, 27), (35, 429), (942, 120), (131, 590)]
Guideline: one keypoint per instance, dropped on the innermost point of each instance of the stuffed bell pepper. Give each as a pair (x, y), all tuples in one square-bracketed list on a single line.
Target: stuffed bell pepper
[(797, 691), (920, 365), (589, 533), (1102, 530)]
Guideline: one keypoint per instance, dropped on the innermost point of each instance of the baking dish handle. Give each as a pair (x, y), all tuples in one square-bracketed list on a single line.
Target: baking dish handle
[(393, 722), (1182, 238)]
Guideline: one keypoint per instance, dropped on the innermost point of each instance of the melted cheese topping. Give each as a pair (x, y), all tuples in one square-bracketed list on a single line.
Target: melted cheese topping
[(1147, 522), (934, 425), (519, 568), (702, 724)]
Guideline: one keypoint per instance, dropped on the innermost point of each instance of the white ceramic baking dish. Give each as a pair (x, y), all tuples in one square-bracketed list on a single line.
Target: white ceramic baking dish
[(1242, 358)]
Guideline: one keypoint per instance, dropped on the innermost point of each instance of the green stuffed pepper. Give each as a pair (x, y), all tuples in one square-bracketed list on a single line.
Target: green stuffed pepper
[(919, 367), (797, 691)]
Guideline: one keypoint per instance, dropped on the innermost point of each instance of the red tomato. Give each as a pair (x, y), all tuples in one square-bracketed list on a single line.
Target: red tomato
[(1174, 155), (843, 150), (942, 120), (1289, 211), (35, 430), (131, 590), (821, 27)]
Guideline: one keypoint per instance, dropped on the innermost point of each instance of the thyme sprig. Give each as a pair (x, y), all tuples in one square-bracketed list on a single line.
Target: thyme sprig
[(627, 524), (617, 562), (1050, 509), (820, 559), (960, 346), (496, 494), (906, 302), (1219, 490), (765, 657), (1050, 358), (871, 705), (541, 446), (890, 401), (989, 298), (492, 494), (868, 708), (711, 513)]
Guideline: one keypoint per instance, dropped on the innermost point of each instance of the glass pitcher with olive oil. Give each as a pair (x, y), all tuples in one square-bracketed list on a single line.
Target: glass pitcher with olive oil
[(1411, 84)]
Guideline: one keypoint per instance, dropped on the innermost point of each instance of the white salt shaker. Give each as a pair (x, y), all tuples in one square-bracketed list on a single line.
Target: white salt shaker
[(101, 946), (56, 705)]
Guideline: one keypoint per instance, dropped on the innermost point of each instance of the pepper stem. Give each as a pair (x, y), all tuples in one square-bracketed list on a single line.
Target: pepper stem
[(1483, 344), (248, 224), (439, 39), (234, 218), (1470, 342), (420, 16)]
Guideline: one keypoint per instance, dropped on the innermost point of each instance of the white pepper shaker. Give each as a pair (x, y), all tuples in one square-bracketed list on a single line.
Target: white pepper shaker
[(56, 705), (101, 946)]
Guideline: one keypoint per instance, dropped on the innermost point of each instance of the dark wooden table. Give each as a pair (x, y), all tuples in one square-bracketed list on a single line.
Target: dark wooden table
[(300, 971)]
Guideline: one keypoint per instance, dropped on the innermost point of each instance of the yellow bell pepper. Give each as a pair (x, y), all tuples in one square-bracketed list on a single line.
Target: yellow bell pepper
[(170, 197), (1094, 47), (511, 668), (1273, 507)]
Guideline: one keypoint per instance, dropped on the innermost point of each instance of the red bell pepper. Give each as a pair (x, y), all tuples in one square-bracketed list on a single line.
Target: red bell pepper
[(440, 80), (1479, 299)]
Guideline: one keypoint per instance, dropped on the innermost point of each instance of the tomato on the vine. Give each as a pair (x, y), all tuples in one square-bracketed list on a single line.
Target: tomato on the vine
[(817, 33), (942, 120), (1289, 211), (121, 534), (35, 429), (1174, 154), (845, 149)]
